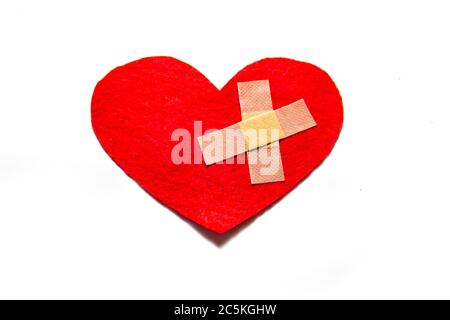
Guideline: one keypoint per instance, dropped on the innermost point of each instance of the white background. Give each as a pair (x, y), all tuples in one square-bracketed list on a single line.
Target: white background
[(372, 222)]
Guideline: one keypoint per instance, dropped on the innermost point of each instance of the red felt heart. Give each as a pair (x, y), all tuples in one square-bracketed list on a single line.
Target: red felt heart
[(136, 107)]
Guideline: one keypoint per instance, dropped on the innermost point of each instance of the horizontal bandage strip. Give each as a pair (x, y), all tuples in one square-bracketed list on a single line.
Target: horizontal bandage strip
[(264, 163), (256, 132)]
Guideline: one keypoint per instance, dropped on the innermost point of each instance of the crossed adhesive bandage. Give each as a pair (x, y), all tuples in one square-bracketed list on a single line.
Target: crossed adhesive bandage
[(259, 131)]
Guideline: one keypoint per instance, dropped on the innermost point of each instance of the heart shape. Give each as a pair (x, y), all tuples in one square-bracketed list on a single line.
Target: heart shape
[(136, 108)]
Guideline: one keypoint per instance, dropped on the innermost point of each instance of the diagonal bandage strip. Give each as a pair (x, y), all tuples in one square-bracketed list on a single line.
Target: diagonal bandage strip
[(264, 163), (261, 128), (254, 132)]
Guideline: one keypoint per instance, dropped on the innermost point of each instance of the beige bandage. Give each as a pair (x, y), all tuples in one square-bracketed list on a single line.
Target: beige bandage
[(261, 130), (264, 163), (258, 131)]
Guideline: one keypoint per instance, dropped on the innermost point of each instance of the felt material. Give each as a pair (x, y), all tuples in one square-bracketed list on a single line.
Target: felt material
[(136, 107)]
